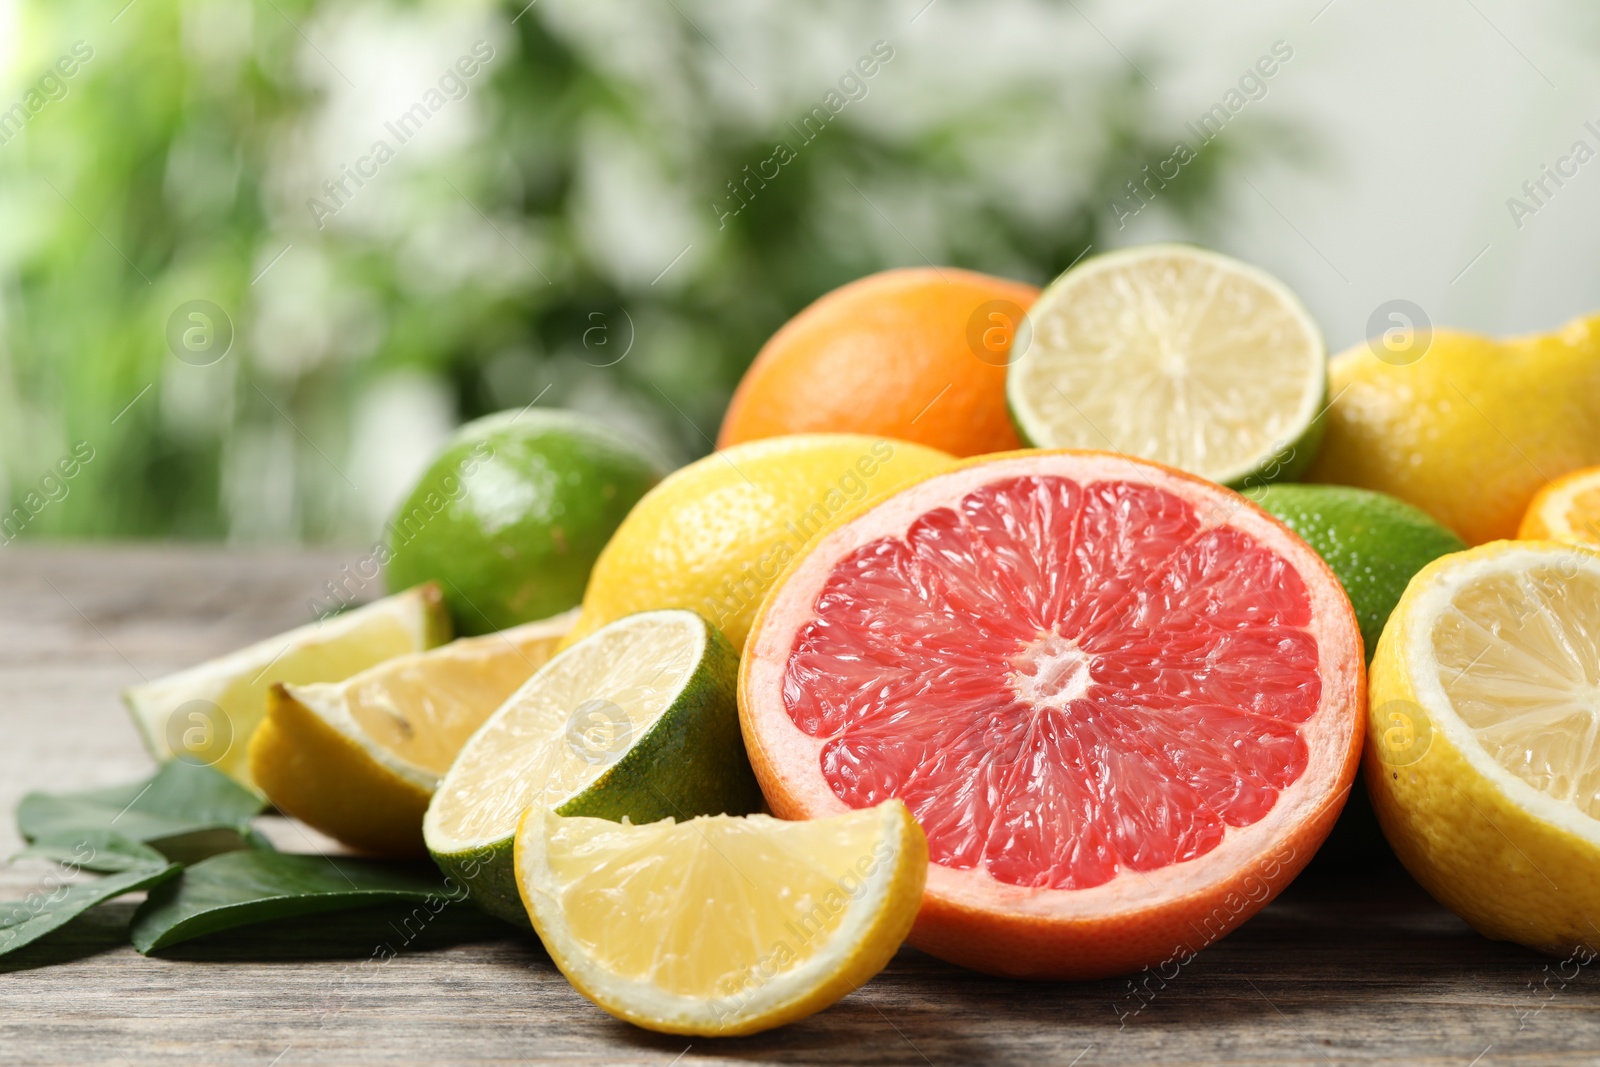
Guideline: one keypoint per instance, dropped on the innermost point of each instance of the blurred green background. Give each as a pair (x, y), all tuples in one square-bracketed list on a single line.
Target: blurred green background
[(572, 205), (557, 229)]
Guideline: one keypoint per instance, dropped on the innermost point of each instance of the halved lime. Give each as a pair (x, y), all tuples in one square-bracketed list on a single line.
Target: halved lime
[(1177, 355), (638, 721)]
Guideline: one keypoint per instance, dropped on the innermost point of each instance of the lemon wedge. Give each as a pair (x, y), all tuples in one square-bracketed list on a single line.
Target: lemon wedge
[(359, 759), (721, 925), (208, 713)]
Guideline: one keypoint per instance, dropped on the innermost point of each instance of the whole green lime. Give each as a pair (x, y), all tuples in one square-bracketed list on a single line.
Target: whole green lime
[(1373, 542), (511, 515)]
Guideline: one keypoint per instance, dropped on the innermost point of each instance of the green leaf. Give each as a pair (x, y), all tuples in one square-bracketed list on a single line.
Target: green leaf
[(180, 800), (240, 888), (27, 920), (96, 850)]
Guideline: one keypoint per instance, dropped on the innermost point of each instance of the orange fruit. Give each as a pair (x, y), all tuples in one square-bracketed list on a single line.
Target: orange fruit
[(1125, 704), (917, 354), (1567, 509)]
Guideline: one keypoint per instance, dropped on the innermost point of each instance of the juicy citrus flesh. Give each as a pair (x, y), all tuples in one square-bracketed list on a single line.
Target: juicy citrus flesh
[(917, 354), (1480, 757), (720, 924), (1518, 655), (1568, 509), (421, 709), (1120, 700), (237, 684), (1062, 681), (1172, 354), (713, 535), (566, 726)]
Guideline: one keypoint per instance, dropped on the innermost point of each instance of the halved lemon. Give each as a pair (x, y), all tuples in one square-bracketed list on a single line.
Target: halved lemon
[(1173, 354), (1567, 509), (208, 713), (359, 759), (1483, 752), (721, 926), (638, 720)]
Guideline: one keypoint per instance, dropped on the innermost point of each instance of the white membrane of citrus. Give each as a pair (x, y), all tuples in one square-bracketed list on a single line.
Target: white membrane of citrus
[(707, 918), (566, 726), (238, 682), (413, 713), (1172, 354), (1517, 650)]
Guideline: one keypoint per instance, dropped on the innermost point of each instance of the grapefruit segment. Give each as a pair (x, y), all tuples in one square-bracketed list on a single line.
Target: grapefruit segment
[(1105, 689)]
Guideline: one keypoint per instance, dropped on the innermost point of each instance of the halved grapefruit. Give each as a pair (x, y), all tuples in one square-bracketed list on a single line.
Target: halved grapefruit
[(1124, 703)]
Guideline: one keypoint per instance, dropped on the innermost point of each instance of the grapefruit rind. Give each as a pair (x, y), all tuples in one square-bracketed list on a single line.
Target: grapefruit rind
[(1135, 919)]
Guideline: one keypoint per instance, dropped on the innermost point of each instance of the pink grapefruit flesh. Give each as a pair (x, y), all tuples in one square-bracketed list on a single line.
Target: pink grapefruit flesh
[(1124, 704)]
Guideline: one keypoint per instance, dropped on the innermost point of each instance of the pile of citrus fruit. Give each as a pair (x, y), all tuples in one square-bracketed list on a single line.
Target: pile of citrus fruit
[(1030, 627)]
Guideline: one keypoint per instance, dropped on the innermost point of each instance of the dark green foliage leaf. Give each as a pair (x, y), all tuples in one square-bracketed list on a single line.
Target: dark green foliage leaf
[(96, 850), (241, 888), (54, 904), (181, 800)]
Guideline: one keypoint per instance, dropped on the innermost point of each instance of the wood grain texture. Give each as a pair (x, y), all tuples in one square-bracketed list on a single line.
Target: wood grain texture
[(1334, 972)]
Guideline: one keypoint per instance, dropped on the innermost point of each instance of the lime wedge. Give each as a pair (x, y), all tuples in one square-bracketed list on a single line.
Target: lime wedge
[(1177, 355), (638, 721), (208, 713)]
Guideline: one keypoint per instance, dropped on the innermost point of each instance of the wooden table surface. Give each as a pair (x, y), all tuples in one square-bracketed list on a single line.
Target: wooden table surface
[(1338, 970)]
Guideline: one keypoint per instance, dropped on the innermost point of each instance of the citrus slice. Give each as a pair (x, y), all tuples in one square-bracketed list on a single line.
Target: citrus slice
[(1173, 354), (1124, 703), (1567, 509), (721, 925), (208, 713), (636, 721), (359, 759), (1482, 758)]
